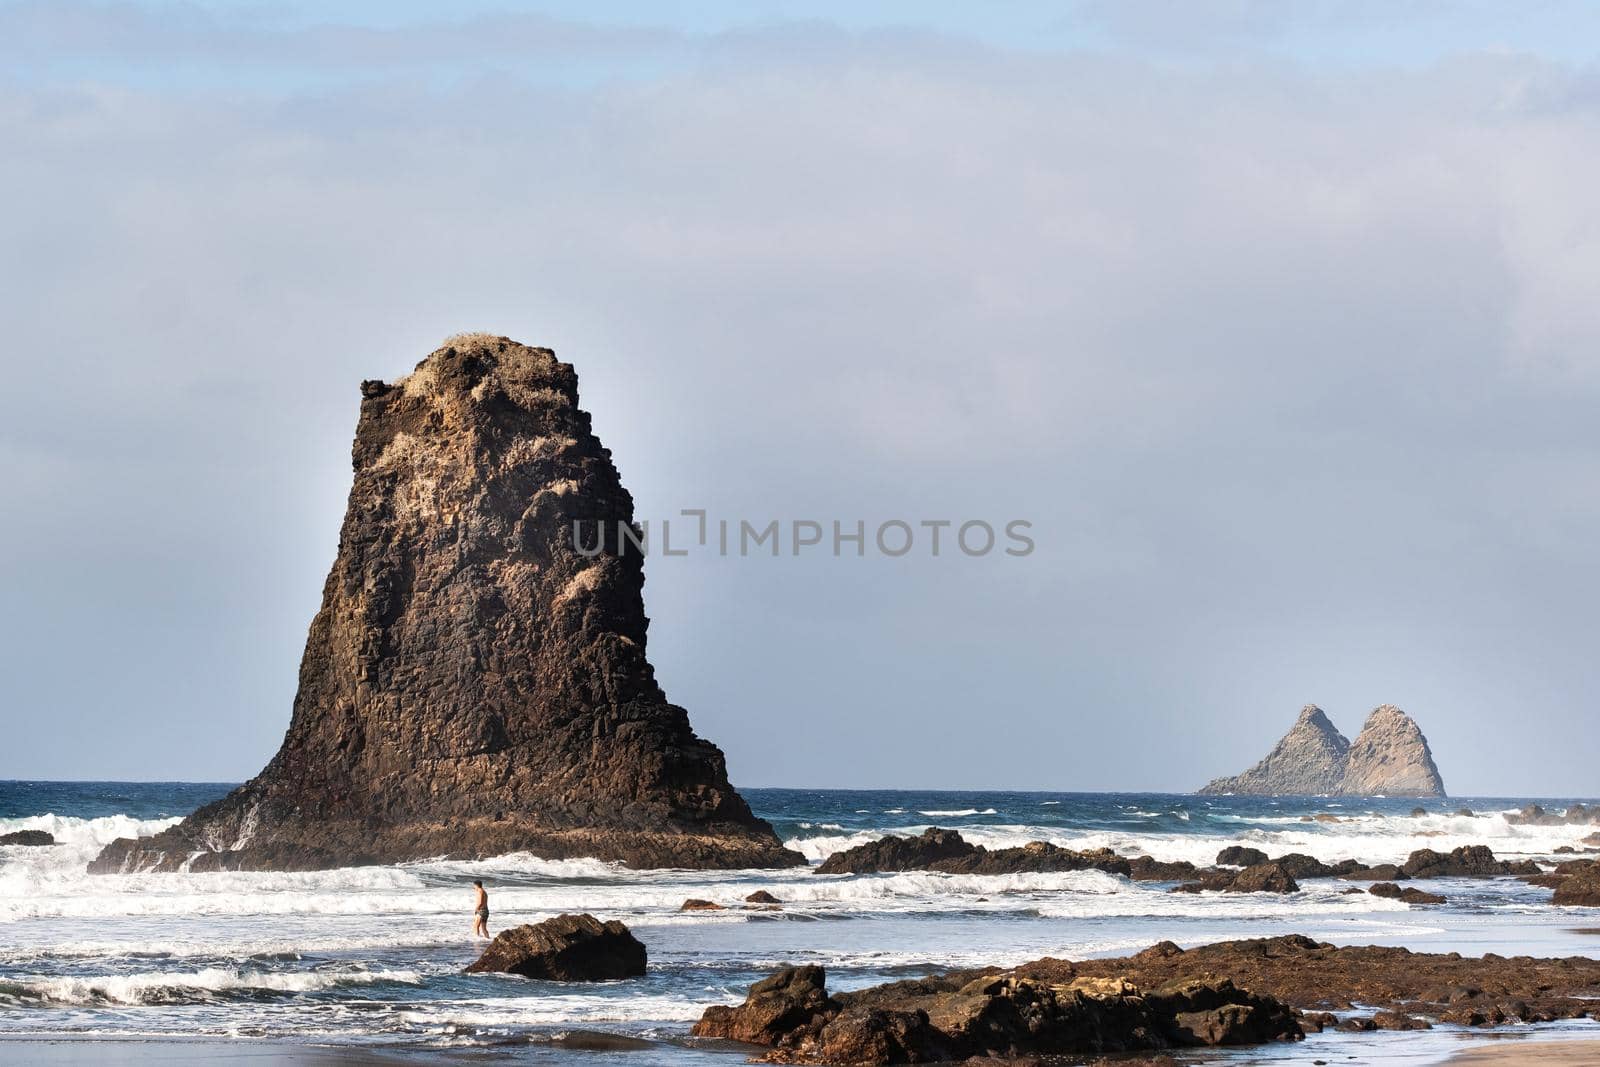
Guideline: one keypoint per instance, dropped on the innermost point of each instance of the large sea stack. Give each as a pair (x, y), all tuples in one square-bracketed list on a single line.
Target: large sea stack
[(1390, 757), (473, 684)]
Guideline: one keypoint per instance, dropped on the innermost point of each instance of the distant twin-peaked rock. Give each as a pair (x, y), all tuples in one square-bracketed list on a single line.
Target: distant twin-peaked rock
[(473, 684), (1389, 757)]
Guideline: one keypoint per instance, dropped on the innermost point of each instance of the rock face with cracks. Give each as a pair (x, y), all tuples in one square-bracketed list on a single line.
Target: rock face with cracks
[(475, 682)]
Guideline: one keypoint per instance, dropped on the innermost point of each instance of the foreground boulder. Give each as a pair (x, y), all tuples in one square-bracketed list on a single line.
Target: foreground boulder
[(998, 1014), (568, 948), (473, 683), (31, 838), (946, 850)]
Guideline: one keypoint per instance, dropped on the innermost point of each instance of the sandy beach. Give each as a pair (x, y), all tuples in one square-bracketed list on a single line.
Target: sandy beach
[(1512, 1050)]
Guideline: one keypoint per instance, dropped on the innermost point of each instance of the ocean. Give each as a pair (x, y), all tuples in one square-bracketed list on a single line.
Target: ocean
[(372, 957)]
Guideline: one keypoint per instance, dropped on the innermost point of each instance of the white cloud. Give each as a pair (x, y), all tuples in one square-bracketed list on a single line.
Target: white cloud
[(1272, 355)]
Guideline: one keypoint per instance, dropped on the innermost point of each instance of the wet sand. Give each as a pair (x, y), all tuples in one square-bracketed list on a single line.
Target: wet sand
[(1513, 1051)]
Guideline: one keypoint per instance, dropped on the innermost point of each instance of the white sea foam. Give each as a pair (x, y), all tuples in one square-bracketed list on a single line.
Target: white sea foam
[(958, 813), (178, 987)]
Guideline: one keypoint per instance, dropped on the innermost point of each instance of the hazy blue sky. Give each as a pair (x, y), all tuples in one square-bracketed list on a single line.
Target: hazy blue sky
[(1281, 323)]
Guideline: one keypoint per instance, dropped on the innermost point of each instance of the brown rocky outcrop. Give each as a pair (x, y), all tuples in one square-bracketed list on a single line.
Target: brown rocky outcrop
[(1389, 757), (1578, 885), (1314, 976), (567, 948), (936, 849), (30, 838), (473, 683), (994, 1014)]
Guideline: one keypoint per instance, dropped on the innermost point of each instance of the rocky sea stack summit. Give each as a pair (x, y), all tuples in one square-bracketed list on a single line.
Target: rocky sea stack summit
[(473, 685), (1390, 757)]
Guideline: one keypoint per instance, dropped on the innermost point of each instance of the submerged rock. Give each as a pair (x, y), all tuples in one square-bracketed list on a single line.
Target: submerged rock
[(30, 838), (1390, 757), (696, 904), (474, 684), (1409, 894), (997, 1014), (568, 948)]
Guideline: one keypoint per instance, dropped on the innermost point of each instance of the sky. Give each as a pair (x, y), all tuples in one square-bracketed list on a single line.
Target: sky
[(1279, 323)]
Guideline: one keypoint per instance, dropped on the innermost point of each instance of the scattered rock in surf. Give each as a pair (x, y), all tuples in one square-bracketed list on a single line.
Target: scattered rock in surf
[(1394, 1020), (973, 1014), (567, 948), (1145, 869), (696, 904), (30, 838), (1381, 872), (1468, 861), (761, 896), (1419, 813), (1409, 895), (1536, 815), (1258, 878), (1465, 813), (1240, 856), (937, 849)]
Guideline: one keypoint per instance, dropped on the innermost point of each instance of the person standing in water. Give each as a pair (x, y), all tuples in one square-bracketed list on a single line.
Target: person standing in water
[(480, 911)]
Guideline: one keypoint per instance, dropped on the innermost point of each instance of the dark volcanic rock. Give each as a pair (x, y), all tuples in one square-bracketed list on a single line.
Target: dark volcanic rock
[(1383, 872), (1241, 856), (32, 838), (1409, 894), (1145, 869), (955, 1017), (1468, 861), (1580, 888), (775, 1007), (1390, 756), (934, 845), (1258, 878), (761, 896), (948, 851), (568, 948), (1535, 815), (473, 683), (1263, 878)]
